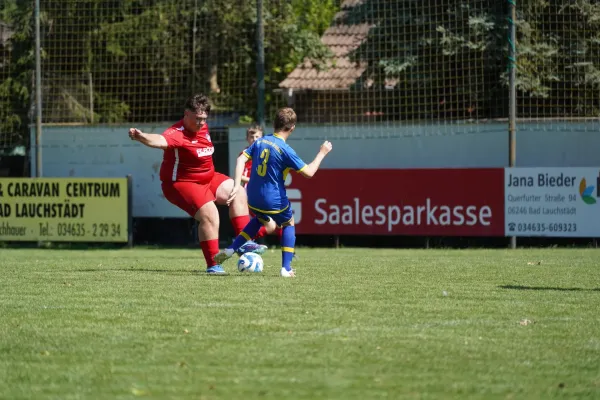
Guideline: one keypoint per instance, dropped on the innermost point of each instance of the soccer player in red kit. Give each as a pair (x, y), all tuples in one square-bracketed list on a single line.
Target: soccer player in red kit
[(190, 182)]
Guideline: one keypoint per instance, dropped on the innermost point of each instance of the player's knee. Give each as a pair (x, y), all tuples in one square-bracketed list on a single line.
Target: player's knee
[(207, 215), (270, 226), (241, 197), (207, 219)]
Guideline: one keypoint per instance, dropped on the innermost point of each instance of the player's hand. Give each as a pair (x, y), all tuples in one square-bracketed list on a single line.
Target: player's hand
[(326, 147), (232, 194), (134, 133)]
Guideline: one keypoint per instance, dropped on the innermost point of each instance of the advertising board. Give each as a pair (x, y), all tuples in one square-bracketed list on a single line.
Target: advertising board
[(560, 202), (64, 209), (437, 202)]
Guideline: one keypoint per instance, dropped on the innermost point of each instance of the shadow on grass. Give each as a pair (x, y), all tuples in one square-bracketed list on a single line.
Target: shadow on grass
[(575, 289), (162, 271), (194, 272), (172, 272)]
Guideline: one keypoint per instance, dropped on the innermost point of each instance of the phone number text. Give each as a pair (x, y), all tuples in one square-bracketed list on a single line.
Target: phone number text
[(539, 227), (93, 230)]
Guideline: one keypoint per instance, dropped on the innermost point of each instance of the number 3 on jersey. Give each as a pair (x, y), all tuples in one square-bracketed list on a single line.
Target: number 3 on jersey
[(262, 167)]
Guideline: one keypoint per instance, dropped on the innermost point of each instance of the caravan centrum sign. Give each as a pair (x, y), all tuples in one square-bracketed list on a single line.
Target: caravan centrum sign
[(64, 209)]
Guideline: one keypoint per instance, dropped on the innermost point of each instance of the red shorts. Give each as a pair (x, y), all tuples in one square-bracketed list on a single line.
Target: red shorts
[(191, 196)]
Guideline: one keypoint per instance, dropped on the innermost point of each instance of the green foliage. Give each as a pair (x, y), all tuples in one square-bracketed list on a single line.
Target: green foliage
[(16, 72), (435, 54), (109, 61), (139, 60), (314, 15), (459, 50), (245, 119), (289, 43), (558, 48)]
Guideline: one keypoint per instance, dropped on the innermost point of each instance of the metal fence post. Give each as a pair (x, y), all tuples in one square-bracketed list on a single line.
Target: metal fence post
[(38, 93), (260, 64), (512, 137)]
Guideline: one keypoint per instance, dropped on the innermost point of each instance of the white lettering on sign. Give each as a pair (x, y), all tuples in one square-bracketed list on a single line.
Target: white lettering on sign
[(430, 214)]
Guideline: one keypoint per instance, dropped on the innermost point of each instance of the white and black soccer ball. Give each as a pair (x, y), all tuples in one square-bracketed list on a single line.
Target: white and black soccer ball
[(250, 262)]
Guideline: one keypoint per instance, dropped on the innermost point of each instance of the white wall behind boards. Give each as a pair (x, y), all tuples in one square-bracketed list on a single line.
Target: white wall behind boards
[(107, 151), (555, 144)]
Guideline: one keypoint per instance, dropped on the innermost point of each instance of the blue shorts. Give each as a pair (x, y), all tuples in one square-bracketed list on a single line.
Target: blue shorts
[(281, 218)]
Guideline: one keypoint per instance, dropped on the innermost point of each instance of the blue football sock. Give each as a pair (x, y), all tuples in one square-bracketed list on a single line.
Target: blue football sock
[(249, 231), (288, 240)]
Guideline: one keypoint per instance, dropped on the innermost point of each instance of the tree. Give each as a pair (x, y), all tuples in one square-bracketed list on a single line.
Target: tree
[(110, 61), (132, 60), (449, 60), (437, 60), (293, 35), (558, 58), (16, 69), (292, 32)]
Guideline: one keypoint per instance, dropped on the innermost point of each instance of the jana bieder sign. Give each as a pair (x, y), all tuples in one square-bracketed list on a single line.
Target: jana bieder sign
[(64, 209), (552, 202)]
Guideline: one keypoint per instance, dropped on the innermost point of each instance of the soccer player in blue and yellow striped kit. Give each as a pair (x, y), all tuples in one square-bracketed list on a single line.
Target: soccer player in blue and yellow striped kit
[(272, 159)]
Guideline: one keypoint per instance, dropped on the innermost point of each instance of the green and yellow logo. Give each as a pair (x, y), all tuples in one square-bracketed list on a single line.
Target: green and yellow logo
[(587, 192)]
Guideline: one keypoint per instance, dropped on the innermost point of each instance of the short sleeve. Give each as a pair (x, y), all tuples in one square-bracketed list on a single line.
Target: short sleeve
[(249, 150), (173, 137), (292, 160)]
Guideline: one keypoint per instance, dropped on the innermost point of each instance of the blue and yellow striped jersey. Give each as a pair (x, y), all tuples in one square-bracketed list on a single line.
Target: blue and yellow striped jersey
[(272, 159)]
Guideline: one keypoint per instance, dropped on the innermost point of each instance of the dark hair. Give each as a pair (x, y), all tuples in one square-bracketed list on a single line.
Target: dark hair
[(198, 103), (284, 120), (254, 129)]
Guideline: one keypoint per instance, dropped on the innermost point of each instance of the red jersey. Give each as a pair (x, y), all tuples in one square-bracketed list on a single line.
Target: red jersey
[(247, 169), (189, 155)]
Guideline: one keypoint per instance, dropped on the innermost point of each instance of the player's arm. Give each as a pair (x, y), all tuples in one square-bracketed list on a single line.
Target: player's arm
[(246, 173), (311, 169), (237, 178), (240, 164), (149, 139)]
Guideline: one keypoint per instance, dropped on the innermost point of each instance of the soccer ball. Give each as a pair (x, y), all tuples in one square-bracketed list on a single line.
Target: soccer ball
[(250, 262)]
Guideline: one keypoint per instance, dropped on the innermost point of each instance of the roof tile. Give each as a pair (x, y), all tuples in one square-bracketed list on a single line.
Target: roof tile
[(340, 72)]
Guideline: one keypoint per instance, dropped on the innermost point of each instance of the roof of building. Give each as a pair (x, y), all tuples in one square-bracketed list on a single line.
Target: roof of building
[(340, 72)]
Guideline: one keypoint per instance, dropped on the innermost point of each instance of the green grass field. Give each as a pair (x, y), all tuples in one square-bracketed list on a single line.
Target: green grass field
[(355, 324)]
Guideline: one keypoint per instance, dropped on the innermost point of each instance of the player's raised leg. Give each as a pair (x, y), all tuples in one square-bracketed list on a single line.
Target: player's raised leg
[(238, 213), (248, 232)]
